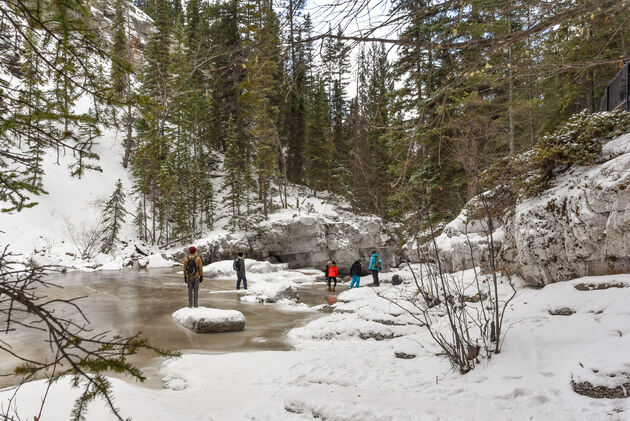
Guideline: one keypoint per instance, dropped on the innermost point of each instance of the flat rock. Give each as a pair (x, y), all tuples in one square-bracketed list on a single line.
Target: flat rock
[(210, 320)]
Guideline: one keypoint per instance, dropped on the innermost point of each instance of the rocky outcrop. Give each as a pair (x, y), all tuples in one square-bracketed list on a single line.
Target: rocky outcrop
[(140, 26), (579, 227), (462, 244), (210, 320), (307, 241)]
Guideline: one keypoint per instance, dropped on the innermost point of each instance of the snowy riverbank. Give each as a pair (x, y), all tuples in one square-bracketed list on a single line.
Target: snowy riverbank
[(339, 369)]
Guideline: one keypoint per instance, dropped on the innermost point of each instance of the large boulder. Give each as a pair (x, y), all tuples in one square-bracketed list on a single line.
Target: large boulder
[(210, 320), (579, 227), (463, 243)]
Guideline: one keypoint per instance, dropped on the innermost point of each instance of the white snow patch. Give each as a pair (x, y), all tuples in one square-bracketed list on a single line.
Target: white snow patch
[(189, 316)]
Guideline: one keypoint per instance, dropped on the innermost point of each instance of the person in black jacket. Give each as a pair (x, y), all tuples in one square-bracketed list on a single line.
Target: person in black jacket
[(355, 272), (239, 267)]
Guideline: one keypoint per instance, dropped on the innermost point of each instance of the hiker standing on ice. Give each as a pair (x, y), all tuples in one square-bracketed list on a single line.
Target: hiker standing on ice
[(376, 264), (333, 272), (239, 267), (355, 272), (193, 275)]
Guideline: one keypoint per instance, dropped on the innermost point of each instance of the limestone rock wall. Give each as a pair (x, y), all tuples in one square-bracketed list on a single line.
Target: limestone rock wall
[(307, 241), (579, 227)]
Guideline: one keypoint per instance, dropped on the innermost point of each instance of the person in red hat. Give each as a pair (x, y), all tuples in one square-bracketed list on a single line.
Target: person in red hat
[(193, 275)]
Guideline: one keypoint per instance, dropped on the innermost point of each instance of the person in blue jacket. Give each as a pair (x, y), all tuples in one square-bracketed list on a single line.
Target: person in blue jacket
[(376, 264)]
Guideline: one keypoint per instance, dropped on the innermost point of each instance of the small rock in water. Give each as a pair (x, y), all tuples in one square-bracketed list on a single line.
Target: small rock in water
[(210, 320)]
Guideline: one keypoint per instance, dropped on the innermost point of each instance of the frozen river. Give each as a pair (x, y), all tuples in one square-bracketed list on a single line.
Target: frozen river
[(126, 302)]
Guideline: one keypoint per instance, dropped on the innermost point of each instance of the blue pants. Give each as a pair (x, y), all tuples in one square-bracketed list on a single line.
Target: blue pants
[(355, 281), (238, 282)]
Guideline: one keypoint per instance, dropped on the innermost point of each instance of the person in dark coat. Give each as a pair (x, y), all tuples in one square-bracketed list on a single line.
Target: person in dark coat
[(239, 267), (355, 272)]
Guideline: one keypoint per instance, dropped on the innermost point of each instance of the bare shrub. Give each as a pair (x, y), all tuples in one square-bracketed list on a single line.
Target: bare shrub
[(464, 318), (87, 238)]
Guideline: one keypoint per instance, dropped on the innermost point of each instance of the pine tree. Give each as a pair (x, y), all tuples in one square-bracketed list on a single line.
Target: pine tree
[(298, 67), (319, 145), (139, 221), (153, 105), (261, 97), (233, 179), (31, 96), (113, 217), (121, 66)]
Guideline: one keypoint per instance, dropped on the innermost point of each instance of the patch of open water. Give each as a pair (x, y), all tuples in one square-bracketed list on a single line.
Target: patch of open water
[(127, 302)]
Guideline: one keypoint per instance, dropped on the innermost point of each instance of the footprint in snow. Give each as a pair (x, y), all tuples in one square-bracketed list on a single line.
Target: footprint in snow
[(175, 382)]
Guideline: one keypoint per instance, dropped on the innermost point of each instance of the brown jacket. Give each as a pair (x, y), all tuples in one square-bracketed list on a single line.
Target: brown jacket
[(199, 264)]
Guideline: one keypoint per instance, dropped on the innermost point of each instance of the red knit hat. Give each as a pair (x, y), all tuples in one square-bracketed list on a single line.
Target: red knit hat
[(192, 249)]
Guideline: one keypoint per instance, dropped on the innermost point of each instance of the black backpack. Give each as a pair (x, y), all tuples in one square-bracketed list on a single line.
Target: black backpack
[(237, 264), (396, 280), (191, 266)]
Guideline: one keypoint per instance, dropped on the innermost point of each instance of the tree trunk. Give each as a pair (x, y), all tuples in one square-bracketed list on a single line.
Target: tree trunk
[(128, 140)]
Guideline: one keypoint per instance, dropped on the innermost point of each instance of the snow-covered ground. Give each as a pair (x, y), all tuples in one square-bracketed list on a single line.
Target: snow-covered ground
[(44, 233), (339, 369)]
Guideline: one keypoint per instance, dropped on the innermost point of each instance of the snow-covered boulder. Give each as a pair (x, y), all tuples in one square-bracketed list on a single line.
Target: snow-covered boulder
[(210, 320), (462, 244), (578, 227)]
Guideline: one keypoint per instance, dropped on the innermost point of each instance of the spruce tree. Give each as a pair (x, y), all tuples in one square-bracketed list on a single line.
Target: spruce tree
[(113, 217), (319, 145), (121, 66), (261, 94), (233, 178)]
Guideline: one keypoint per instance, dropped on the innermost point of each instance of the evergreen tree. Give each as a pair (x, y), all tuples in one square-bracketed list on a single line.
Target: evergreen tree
[(121, 66), (139, 221), (233, 180), (319, 145), (261, 94), (113, 217), (56, 42), (153, 104)]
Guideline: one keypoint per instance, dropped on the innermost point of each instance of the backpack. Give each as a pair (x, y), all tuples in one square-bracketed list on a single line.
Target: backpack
[(191, 266), (396, 280), (378, 263), (237, 264)]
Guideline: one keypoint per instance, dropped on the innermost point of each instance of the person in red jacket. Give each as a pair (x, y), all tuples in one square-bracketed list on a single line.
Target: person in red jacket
[(333, 272)]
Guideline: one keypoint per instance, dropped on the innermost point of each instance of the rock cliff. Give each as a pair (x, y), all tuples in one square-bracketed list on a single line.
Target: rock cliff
[(307, 241), (579, 227)]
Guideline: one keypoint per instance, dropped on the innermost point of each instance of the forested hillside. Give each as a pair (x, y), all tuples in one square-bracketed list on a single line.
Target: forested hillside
[(402, 124)]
